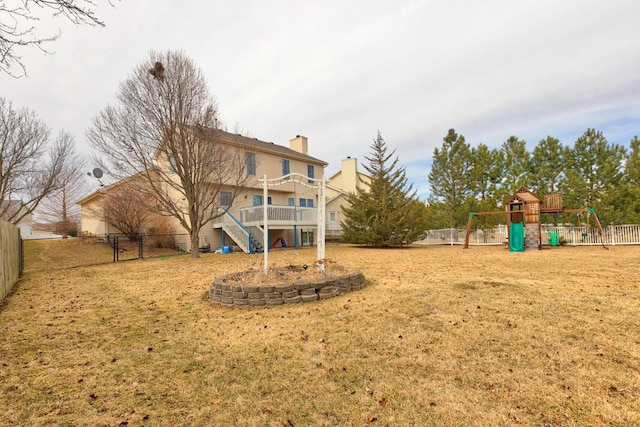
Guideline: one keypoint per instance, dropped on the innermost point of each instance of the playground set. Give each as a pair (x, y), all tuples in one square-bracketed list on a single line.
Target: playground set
[(523, 211)]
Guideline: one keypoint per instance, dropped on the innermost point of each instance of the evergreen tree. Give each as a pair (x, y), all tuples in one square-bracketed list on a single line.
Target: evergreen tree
[(547, 166), (388, 214), (625, 197), (516, 166), (450, 178), (632, 166), (485, 171), (593, 172), (485, 175)]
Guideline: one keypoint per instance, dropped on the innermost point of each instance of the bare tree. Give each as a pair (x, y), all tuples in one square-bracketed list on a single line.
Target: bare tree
[(31, 169), (58, 210), (18, 30), (163, 128), (127, 208)]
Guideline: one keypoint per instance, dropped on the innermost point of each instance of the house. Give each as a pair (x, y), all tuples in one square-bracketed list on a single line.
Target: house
[(29, 229), (339, 185), (292, 207)]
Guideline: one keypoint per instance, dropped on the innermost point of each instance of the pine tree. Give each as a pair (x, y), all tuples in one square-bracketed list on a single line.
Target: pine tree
[(547, 166), (485, 171), (593, 172), (388, 214), (632, 166), (450, 178), (517, 165)]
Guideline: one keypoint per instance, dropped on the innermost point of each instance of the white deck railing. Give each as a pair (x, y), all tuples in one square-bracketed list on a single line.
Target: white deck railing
[(279, 215)]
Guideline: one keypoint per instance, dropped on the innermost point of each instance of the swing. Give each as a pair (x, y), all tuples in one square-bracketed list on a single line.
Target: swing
[(585, 234)]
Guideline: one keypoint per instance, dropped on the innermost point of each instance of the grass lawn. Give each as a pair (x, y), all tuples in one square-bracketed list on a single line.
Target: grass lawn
[(439, 336)]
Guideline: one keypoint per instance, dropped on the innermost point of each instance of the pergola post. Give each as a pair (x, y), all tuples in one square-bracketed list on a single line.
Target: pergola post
[(265, 217), (304, 180)]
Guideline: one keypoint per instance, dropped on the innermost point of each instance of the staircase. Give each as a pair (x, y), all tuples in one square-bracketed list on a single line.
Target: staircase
[(257, 238), (251, 239)]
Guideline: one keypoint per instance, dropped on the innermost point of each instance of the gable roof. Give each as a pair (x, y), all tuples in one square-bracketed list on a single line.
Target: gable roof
[(258, 145), (252, 144), (525, 195), (103, 190)]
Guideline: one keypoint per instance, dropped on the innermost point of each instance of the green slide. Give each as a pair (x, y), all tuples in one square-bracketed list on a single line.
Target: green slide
[(516, 237)]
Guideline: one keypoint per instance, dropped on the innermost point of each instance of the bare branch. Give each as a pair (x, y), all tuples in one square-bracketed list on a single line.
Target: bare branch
[(58, 210), (18, 27), (127, 208), (30, 170)]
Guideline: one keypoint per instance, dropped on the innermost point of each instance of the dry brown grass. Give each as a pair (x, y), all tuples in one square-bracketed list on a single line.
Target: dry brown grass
[(440, 336)]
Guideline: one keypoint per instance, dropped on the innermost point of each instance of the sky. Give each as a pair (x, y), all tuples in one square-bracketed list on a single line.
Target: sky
[(338, 72)]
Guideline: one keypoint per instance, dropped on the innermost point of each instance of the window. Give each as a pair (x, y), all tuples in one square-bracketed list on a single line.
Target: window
[(257, 200), (310, 173), (225, 198), (172, 164), (292, 201), (286, 167), (333, 216), (250, 163), (306, 203)]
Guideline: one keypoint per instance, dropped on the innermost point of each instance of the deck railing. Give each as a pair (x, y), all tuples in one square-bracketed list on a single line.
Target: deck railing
[(279, 215), (237, 231)]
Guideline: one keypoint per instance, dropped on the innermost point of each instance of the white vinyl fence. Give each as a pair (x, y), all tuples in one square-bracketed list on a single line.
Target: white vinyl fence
[(574, 236)]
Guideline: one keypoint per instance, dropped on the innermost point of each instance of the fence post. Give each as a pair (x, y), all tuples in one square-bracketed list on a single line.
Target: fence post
[(612, 235), (140, 245), (21, 258), (115, 249)]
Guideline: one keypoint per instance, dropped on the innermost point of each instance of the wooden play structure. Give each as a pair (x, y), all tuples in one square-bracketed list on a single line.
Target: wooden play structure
[(523, 211)]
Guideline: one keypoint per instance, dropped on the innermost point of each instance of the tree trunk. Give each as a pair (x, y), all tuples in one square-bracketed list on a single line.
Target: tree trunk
[(195, 244)]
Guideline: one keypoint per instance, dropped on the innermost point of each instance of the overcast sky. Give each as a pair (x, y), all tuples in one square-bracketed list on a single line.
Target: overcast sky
[(337, 72)]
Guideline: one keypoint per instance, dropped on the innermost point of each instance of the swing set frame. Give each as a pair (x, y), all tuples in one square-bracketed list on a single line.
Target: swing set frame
[(555, 208)]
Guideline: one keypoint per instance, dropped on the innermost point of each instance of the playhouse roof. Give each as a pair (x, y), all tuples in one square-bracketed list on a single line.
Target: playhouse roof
[(523, 194)]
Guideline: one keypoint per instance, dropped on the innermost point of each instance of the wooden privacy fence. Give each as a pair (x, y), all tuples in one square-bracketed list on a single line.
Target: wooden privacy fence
[(574, 236), (11, 255)]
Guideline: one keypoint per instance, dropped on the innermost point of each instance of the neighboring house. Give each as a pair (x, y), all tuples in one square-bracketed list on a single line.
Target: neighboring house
[(292, 206), (32, 230), (26, 227), (339, 185)]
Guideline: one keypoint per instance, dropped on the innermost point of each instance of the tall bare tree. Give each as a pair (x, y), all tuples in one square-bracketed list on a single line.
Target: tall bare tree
[(32, 169), (162, 129), (58, 210)]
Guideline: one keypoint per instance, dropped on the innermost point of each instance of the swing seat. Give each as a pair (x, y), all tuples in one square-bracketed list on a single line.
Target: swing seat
[(553, 239)]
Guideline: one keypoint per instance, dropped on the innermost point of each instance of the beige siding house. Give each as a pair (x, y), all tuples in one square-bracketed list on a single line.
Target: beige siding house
[(292, 206), (339, 185)]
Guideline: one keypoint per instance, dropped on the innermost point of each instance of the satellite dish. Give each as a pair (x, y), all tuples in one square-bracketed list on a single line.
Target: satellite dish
[(97, 172)]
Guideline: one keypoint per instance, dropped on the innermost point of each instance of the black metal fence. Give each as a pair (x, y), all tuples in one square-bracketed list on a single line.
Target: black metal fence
[(125, 248), (38, 254)]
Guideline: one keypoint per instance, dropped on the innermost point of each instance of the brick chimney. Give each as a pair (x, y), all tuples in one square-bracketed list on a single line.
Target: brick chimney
[(299, 144)]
